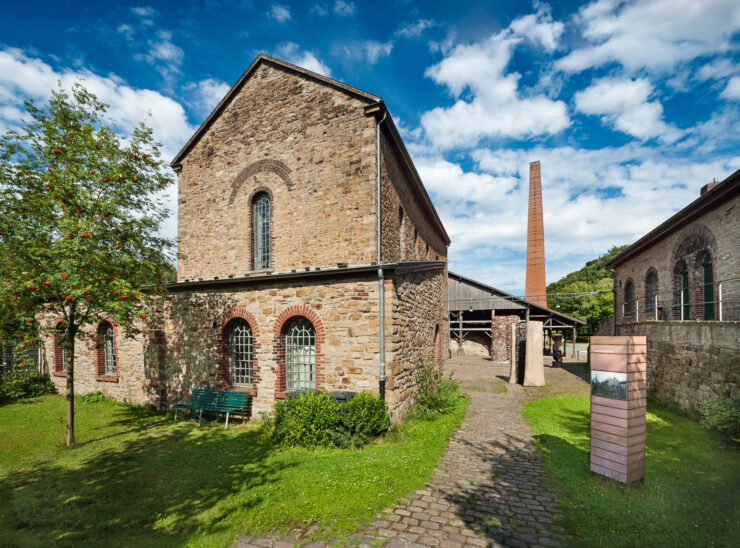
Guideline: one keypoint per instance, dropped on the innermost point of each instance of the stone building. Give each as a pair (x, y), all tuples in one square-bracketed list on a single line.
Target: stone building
[(680, 286), (303, 227)]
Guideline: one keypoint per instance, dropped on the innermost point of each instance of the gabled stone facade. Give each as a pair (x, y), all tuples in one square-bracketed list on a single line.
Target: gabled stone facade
[(309, 145)]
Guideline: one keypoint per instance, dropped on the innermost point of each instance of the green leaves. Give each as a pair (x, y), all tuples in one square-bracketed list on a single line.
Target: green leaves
[(79, 217)]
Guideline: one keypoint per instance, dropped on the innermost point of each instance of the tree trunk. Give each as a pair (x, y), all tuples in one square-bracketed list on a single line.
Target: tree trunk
[(69, 348)]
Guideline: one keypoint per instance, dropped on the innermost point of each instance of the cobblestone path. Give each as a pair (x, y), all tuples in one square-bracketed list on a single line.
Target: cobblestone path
[(489, 489)]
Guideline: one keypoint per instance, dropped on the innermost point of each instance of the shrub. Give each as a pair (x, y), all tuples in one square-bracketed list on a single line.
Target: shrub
[(93, 397), (435, 394), (305, 420), (722, 414), (22, 383), (360, 419), (317, 420)]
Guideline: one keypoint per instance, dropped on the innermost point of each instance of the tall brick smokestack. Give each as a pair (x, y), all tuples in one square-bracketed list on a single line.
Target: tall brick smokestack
[(535, 284)]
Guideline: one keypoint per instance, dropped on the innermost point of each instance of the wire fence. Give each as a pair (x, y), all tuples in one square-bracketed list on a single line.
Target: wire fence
[(716, 301)]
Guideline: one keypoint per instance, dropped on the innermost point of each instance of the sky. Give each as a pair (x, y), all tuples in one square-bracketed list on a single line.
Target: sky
[(630, 106)]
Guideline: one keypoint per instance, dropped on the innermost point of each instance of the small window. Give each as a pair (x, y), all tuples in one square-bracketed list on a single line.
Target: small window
[(261, 212), (402, 233), (240, 352), (629, 298), (300, 355), (60, 351), (651, 290)]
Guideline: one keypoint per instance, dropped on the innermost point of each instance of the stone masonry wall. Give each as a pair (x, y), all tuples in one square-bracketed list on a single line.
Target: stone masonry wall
[(690, 362), (345, 311), (129, 385), (501, 331), (311, 148), (398, 231), (419, 311), (721, 227)]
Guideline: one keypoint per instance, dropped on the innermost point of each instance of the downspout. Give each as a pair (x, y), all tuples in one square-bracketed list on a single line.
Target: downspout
[(381, 278)]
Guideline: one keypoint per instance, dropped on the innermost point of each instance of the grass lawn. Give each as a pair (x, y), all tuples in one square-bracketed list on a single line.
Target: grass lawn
[(691, 493), (135, 479)]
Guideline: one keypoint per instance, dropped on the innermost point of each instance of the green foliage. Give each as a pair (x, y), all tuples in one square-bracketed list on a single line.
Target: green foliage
[(93, 397), (361, 419), (22, 383), (689, 496), (722, 414), (80, 212), (316, 419), (434, 394), (592, 277)]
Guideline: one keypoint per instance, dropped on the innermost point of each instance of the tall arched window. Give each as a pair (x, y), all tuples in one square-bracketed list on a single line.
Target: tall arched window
[(629, 298), (300, 355), (651, 290), (106, 349), (706, 264), (60, 351), (261, 228), (685, 292), (240, 352)]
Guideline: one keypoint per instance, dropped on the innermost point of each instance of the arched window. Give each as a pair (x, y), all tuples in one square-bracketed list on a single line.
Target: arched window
[(106, 350), (240, 352), (707, 269), (685, 292), (651, 290), (261, 229), (300, 355), (629, 298)]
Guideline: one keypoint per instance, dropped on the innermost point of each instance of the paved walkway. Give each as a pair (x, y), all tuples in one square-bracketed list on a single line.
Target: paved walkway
[(488, 489)]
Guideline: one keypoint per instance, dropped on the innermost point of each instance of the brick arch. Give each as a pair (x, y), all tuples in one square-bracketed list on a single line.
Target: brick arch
[(224, 365), (694, 242), (274, 166), (651, 272), (278, 346)]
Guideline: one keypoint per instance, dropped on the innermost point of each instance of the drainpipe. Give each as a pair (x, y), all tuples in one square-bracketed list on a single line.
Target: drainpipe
[(381, 279)]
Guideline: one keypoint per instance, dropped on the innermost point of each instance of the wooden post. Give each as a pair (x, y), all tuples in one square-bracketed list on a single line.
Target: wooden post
[(573, 355), (459, 333), (513, 356), (493, 315)]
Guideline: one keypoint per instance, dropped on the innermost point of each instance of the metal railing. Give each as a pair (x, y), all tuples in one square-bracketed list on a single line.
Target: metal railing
[(686, 303)]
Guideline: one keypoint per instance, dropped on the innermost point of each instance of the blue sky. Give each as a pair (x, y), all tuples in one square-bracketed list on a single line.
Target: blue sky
[(631, 107)]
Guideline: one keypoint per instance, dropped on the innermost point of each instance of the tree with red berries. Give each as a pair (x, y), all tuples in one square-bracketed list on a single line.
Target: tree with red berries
[(80, 217)]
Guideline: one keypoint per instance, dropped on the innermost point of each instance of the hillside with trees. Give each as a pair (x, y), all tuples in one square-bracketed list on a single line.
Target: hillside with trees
[(573, 290)]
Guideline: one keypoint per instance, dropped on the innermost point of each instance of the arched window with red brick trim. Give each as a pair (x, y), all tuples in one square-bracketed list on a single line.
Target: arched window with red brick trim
[(240, 351), (300, 354), (60, 352)]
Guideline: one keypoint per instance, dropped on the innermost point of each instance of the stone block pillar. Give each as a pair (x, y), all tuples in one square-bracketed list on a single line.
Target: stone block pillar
[(534, 370)]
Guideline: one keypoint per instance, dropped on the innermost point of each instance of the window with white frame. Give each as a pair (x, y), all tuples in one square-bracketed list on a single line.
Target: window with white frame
[(300, 355), (240, 352), (261, 212)]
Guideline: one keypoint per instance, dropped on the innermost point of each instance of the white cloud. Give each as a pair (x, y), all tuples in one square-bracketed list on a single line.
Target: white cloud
[(279, 13), (322, 10), (23, 76), (162, 49), (656, 34), (732, 91), (127, 31), (369, 50), (344, 9), (497, 107), (207, 94), (415, 29), (592, 200), (624, 104), (143, 11), (291, 52), (719, 68)]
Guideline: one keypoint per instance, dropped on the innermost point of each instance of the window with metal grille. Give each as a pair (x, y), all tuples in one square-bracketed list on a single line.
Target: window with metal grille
[(62, 348), (629, 298), (685, 292), (261, 208), (706, 264), (651, 290), (300, 355), (109, 349), (240, 352)]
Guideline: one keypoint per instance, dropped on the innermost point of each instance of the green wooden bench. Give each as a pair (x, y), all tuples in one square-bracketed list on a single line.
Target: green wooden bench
[(219, 401)]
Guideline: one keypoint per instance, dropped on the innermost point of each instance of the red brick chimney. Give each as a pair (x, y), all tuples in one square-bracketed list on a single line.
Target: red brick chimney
[(707, 187), (535, 288)]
